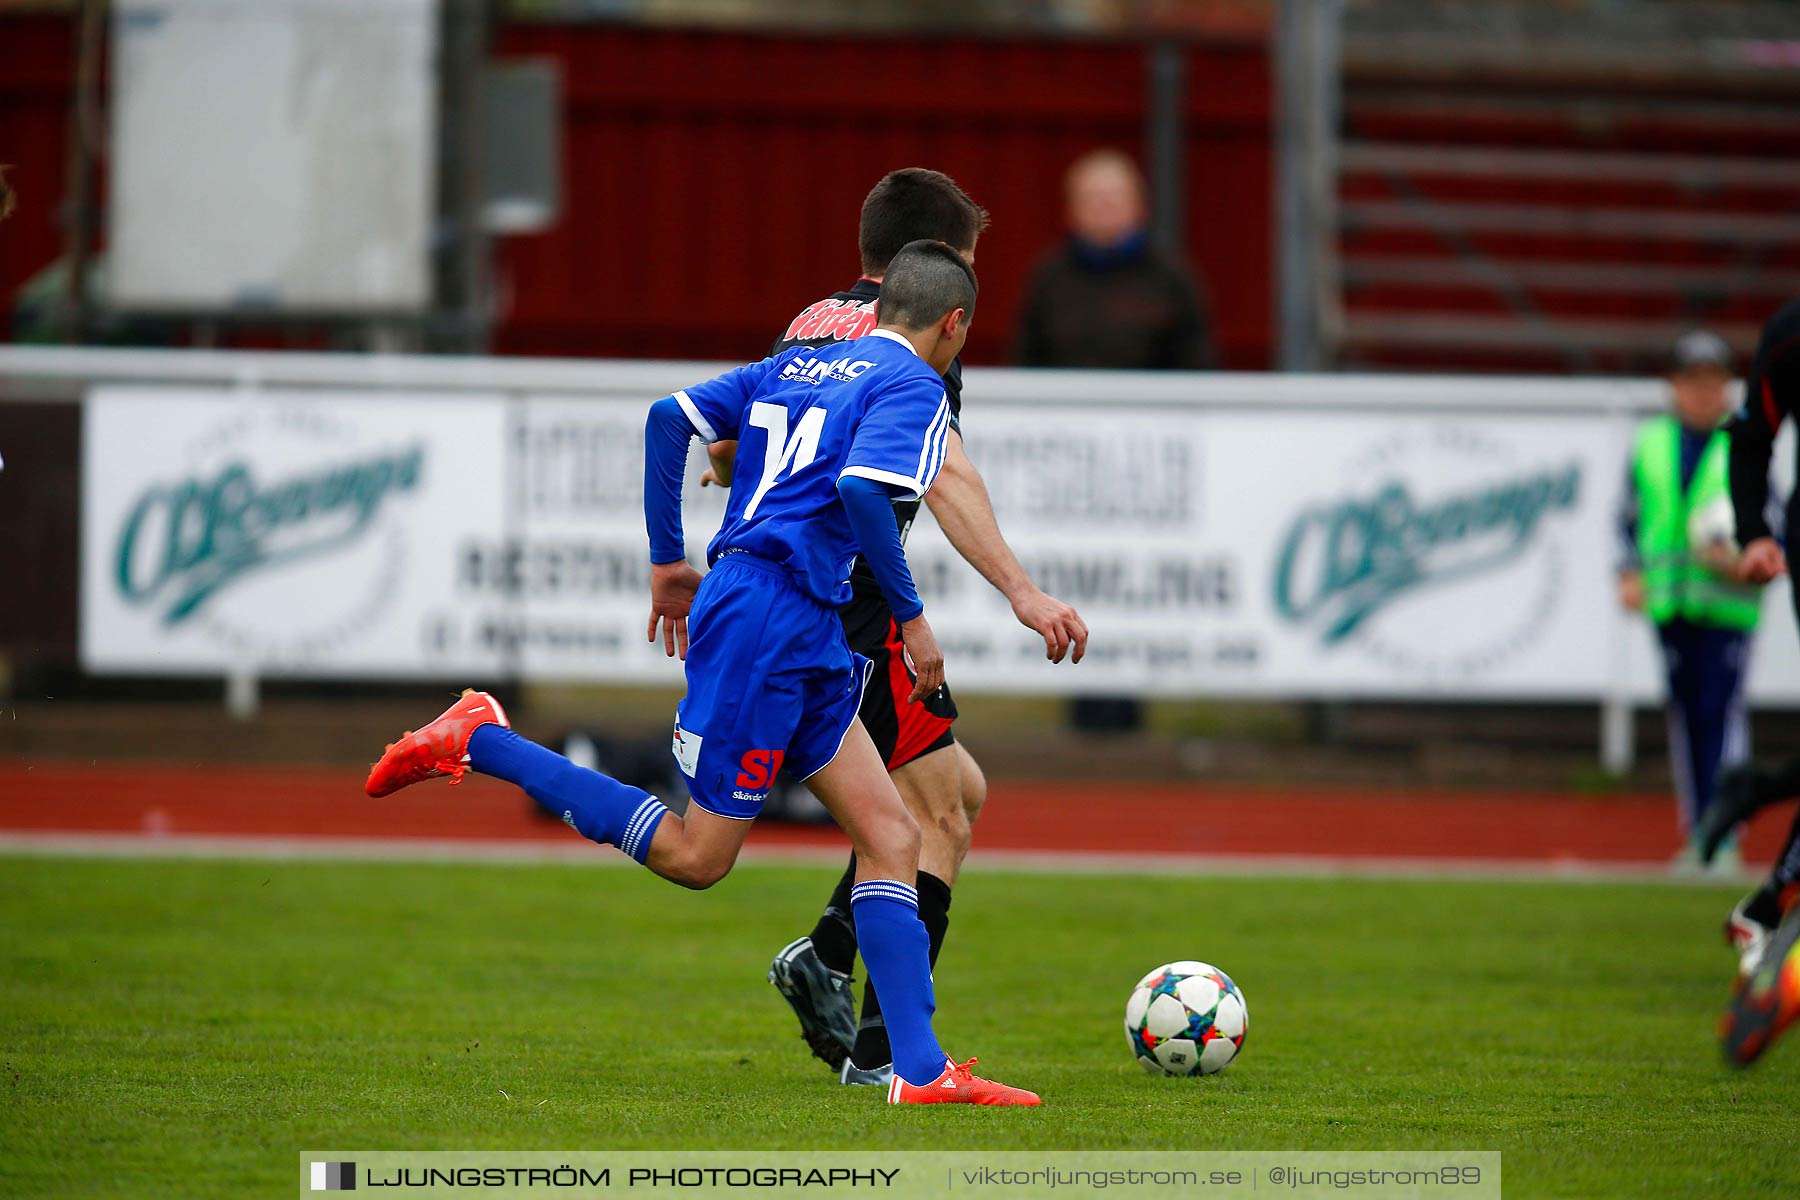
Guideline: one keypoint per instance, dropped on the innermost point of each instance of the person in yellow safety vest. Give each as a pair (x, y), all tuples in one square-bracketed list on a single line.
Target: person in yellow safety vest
[(1679, 570)]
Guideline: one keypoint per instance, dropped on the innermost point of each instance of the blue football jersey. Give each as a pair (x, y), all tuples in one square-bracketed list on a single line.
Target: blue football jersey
[(803, 419)]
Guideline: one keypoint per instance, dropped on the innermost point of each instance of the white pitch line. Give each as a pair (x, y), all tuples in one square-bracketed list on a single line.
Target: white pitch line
[(1032, 862)]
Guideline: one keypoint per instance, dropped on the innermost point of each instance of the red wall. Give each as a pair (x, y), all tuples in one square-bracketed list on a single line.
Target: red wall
[(712, 181), (37, 80)]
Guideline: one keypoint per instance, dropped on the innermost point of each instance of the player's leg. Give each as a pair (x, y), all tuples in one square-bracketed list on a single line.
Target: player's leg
[(931, 789), (730, 629), (1744, 790), (1717, 719), (855, 789), (698, 848), (813, 973), (695, 851), (474, 734), (973, 786), (1678, 680), (1766, 1001), (1754, 918), (1783, 885)]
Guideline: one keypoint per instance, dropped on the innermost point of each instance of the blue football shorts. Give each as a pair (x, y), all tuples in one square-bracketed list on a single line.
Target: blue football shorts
[(771, 683)]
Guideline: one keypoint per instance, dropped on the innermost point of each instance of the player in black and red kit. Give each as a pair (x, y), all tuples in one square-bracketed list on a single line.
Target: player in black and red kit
[(941, 784), (1767, 999)]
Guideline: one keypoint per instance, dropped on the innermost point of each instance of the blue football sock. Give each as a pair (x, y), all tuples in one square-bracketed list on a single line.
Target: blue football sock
[(596, 806), (897, 952)]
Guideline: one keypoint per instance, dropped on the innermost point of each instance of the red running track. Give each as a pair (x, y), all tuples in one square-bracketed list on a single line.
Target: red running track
[(160, 799)]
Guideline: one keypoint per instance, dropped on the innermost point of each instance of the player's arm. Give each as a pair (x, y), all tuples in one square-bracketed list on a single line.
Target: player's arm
[(673, 582), (959, 500), (1776, 373), (869, 503), (898, 450), (709, 411)]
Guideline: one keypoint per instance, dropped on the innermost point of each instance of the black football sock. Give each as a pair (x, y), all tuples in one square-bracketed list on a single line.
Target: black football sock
[(872, 1048), (834, 937), (1779, 784), (1765, 904), (1787, 866)]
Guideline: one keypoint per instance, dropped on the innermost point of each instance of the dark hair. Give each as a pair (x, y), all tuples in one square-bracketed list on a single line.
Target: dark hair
[(8, 197), (925, 280), (913, 204)]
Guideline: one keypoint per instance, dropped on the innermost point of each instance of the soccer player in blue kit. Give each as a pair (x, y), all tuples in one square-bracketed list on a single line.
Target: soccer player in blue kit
[(827, 438)]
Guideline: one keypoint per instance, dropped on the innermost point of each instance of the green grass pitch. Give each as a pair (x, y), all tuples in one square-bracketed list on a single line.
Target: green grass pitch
[(188, 1027)]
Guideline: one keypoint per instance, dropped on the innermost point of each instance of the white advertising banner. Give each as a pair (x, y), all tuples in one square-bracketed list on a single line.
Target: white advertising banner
[(1335, 552), (294, 534), (1315, 554), (1302, 553), (565, 593)]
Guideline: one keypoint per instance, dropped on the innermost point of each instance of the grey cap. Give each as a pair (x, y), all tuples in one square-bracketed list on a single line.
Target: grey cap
[(1701, 348)]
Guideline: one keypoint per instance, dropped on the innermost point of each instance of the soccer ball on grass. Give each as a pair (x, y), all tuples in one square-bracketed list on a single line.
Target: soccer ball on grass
[(1186, 1018)]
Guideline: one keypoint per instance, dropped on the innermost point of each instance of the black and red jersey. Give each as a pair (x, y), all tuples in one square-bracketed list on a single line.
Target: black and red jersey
[(840, 317), (849, 314), (1771, 395)]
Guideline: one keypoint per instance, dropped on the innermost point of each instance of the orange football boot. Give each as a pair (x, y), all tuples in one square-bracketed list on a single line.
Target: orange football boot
[(957, 1085), (1767, 1000), (441, 748)]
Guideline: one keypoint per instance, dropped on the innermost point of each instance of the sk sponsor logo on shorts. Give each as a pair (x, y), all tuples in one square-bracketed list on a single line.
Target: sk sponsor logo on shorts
[(687, 749), (756, 774)]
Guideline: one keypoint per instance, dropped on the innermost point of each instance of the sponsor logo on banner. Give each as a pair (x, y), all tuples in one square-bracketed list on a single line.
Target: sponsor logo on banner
[(1356, 568), (188, 538), (198, 544)]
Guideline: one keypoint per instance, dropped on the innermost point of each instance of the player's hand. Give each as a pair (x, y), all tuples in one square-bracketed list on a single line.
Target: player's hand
[(927, 660), (672, 588), (1761, 561), (1631, 590), (724, 458), (1721, 558), (1057, 623)]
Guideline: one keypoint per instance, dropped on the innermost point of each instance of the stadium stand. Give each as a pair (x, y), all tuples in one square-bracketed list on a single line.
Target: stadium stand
[(1515, 199)]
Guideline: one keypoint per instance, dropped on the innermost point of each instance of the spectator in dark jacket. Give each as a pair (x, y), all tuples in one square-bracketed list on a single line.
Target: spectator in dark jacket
[(1106, 298)]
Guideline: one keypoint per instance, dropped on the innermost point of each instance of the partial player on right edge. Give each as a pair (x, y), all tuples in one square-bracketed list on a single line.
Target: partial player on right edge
[(1766, 1000)]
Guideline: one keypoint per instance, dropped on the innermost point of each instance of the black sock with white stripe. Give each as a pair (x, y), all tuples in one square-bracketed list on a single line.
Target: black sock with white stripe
[(834, 937)]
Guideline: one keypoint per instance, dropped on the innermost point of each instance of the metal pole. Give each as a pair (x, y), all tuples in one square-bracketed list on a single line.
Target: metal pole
[(468, 291), (1306, 121), (1165, 138), (243, 692), (84, 138), (1618, 735)]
